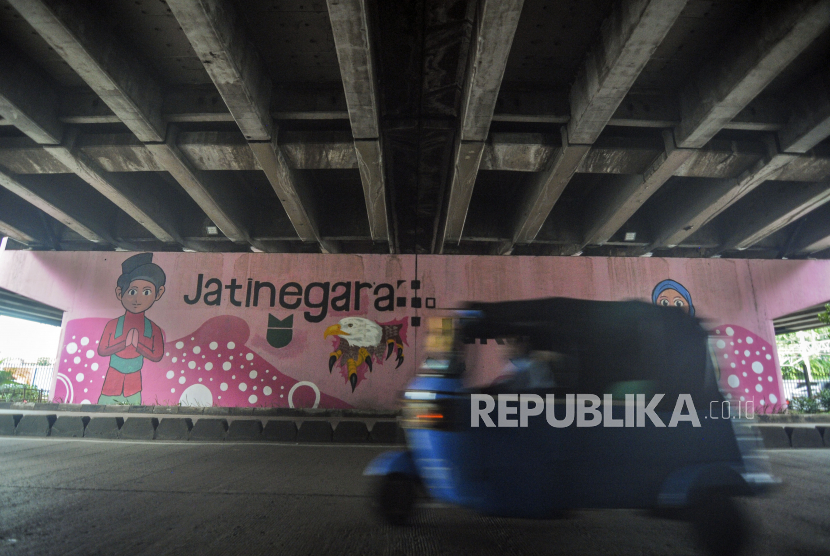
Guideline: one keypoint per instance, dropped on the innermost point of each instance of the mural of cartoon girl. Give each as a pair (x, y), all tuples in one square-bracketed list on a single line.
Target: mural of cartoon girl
[(130, 338), (670, 293)]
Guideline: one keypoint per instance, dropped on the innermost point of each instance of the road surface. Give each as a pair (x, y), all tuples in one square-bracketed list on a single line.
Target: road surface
[(82, 497)]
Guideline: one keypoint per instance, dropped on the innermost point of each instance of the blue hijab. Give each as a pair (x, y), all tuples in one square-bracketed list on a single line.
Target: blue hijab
[(672, 285)]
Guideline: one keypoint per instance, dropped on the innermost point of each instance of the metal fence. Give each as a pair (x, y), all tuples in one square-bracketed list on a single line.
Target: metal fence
[(798, 388), (32, 379)]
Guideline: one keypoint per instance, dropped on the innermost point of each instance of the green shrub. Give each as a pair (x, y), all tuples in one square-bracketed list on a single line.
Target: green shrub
[(805, 405), (824, 399)]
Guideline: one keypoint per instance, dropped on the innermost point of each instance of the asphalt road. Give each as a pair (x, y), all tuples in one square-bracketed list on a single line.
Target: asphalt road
[(86, 497)]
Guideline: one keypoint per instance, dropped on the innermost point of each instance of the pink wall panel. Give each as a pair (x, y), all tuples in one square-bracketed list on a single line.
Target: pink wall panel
[(266, 356)]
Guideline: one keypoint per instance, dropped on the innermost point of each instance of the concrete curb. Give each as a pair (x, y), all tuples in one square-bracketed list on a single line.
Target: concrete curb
[(174, 429), (209, 429), (351, 432), (139, 428), (34, 425), (314, 431), (8, 423), (245, 429), (103, 427), (803, 437), (69, 426), (280, 431)]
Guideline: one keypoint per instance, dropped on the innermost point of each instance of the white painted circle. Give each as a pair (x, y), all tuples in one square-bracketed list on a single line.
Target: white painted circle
[(733, 381), (721, 344), (252, 374), (226, 365), (249, 357), (191, 365), (746, 353), (304, 383), (223, 386), (749, 339), (77, 360), (769, 357), (758, 367), (252, 398), (213, 345), (70, 391), (243, 386), (208, 366), (198, 395), (729, 331), (94, 366), (773, 398), (179, 345), (267, 390), (84, 341), (197, 350), (231, 345), (170, 374), (182, 380), (759, 388), (72, 347)]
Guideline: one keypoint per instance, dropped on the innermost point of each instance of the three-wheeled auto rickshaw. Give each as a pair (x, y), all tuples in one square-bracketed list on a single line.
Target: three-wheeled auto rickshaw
[(620, 357)]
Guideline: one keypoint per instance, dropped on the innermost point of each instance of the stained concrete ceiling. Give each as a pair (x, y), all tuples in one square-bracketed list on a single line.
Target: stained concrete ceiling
[(686, 128)]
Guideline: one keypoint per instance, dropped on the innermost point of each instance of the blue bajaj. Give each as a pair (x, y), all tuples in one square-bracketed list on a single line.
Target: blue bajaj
[(581, 425)]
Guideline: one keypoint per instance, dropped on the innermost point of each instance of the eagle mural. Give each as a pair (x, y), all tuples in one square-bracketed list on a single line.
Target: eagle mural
[(358, 342)]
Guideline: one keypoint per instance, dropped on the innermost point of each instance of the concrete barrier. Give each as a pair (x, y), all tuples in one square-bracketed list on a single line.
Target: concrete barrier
[(280, 431), (314, 431), (384, 432), (35, 425), (103, 427), (8, 423), (69, 426), (209, 429), (245, 429), (174, 428), (139, 428), (351, 431), (774, 437), (803, 437)]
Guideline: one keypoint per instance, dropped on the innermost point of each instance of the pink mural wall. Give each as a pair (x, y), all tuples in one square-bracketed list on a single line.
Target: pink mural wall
[(339, 331)]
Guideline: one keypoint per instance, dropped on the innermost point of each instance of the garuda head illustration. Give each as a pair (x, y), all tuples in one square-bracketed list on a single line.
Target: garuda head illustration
[(359, 341)]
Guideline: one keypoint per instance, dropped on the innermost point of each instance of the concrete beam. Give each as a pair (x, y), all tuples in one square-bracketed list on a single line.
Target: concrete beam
[(218, 36), (767, 214), (370, 163), (699, 208), (545, 189), (629, 37), (149, 212), (355, 54), (28, 99), (91, 49), (813, 238), (350, 27), (50, 206), (219, 203), (20, 221), (517, 152), (605, 216), (809, 122), (748, 63), (290, 190), (495, 26), (805, 132)]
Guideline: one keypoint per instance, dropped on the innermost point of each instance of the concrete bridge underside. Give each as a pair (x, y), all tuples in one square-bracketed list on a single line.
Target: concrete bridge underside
[(678, 128)]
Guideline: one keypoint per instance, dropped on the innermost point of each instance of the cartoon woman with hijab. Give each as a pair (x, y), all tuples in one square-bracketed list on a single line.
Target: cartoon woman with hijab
[(669, 293), (132, 337)]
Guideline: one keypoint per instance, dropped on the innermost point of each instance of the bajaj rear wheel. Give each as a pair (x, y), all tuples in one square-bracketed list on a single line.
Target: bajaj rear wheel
[(720, 524), (395, 497)]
